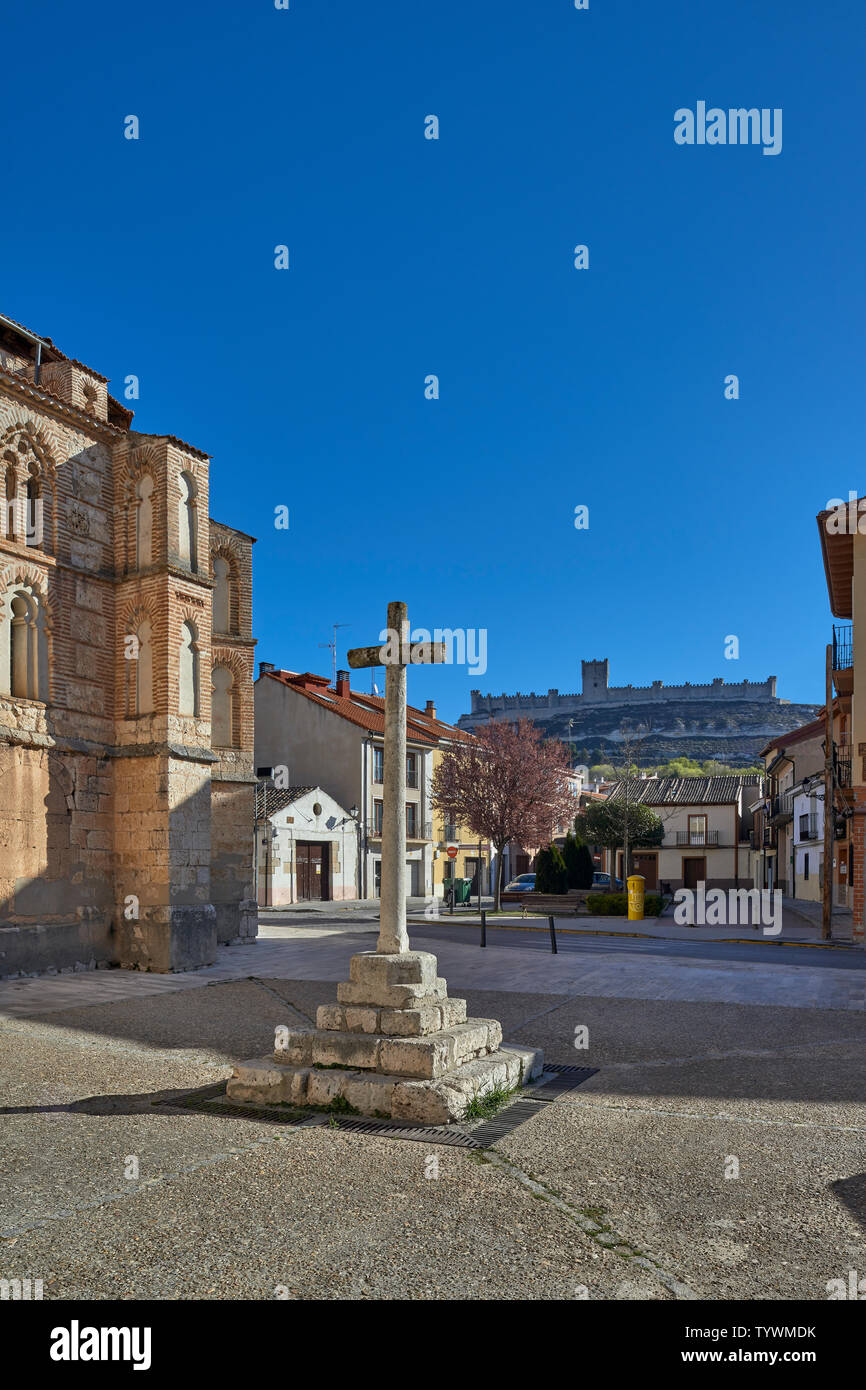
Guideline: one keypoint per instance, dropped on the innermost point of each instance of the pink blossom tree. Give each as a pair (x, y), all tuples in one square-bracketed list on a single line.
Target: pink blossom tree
[(506, 783)]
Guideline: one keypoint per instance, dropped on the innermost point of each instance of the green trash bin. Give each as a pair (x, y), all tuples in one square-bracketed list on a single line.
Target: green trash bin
[(461, 887)]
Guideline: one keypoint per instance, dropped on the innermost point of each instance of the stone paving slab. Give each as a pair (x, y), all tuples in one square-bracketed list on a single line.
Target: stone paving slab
[(779, 1230), (316, 955), (230, 1208), (322, 1216)]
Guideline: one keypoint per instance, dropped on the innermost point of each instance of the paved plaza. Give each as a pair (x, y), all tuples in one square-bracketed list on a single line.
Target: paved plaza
[(623, 1188)]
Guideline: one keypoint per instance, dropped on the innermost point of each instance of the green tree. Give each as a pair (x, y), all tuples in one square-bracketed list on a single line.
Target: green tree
[(569, 856), (680, 767), (601, 772), (615, 822), (551, 875), (585, 868), (578, 861)]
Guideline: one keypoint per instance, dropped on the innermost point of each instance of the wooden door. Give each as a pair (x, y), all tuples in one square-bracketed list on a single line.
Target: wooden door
[(648, 865), (694, 872), (310, 871)]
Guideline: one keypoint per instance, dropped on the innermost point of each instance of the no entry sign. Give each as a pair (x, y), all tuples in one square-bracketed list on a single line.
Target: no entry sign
[(451, 851)]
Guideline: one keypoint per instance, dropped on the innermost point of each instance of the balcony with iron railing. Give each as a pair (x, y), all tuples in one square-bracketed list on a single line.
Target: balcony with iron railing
[(842, 764), (843, 659), (422, 830), (781, 808), (808, 826), (698, 839), (763, 838)]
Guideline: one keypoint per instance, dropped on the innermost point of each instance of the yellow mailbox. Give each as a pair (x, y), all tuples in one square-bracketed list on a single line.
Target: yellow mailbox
[(635, 897)]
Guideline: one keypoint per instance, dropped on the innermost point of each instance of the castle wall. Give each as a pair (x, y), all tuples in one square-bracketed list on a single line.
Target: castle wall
[(533, 706)]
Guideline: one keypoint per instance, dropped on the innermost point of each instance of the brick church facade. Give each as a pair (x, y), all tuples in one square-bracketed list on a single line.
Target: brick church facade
[(126, 672)]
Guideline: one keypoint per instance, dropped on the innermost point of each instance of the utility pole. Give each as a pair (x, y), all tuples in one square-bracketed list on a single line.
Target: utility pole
[(625, 830), (829, 800), (332, 645)]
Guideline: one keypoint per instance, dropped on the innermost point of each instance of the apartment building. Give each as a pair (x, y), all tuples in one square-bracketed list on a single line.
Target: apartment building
[(310, 733), (707, 824)]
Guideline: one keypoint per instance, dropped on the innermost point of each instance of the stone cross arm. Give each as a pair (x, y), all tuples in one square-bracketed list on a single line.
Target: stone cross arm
[(398, 651)]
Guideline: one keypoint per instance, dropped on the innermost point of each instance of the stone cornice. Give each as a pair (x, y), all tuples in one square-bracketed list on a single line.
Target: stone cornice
[(29, 738), (51, 404)]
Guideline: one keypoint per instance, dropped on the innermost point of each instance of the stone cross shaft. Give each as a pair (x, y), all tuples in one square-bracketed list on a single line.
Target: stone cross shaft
[(395, 655)]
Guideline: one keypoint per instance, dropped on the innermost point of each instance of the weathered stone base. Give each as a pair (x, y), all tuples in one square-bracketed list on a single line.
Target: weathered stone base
[(169, 938), (32, 950), (431, 1102), (394, 1046), (237, 923)]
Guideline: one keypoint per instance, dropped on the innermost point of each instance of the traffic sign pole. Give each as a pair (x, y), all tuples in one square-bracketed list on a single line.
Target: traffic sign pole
[(451, 851)]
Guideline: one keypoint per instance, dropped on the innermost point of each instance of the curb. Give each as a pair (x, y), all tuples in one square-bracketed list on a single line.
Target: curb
[(651, 936)]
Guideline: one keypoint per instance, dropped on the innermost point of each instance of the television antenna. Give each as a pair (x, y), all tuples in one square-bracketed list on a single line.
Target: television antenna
[(332, 645)]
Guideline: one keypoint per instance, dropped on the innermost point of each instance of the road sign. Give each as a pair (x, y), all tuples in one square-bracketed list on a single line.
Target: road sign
[(452, 851)]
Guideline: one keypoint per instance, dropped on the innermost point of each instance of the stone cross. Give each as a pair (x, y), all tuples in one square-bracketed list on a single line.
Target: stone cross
[(395, 655)]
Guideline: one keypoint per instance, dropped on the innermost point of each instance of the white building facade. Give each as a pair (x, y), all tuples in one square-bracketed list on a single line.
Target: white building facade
[(808, 838), (306, 847), (309, 733)]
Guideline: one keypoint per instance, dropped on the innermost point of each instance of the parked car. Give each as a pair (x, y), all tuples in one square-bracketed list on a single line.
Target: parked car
[(524, 883), (600, 880)]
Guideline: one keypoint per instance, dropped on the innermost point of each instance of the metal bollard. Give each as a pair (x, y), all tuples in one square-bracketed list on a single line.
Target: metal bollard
[(553, 945), (484, 927)]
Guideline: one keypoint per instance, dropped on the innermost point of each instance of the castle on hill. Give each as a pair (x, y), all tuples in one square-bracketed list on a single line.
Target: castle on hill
[(596, 691), (729, 720)]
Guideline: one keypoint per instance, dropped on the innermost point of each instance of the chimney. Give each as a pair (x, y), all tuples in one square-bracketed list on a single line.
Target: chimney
[(306, 680), (342, 686), (430, 709), (265, 667)]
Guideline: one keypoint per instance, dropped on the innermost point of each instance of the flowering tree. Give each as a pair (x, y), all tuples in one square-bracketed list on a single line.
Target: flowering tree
[(506, 783)]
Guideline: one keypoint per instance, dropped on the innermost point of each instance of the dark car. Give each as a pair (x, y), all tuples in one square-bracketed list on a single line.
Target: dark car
[(524, 883), (600, 880)]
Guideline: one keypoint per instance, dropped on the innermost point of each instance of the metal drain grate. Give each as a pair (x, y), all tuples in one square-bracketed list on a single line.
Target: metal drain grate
[(219, 1104), (557, 1080), (391, 1129), (506, 1121)]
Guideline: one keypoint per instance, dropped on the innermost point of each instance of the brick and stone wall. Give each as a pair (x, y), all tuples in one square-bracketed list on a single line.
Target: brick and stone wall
[(125, 837)]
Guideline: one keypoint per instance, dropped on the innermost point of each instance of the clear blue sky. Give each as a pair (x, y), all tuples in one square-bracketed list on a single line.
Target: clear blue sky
[(410, 257)]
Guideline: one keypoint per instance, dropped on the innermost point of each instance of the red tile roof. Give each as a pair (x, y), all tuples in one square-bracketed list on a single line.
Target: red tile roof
[(368, 711)]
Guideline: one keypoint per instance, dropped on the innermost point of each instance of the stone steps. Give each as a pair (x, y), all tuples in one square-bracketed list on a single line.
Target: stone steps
[(432, 1101), (426, 1017), (427, 1056), (394, 1046)]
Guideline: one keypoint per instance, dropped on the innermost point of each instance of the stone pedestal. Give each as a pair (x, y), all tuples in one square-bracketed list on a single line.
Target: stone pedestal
[(169, 938), (394, 1046)]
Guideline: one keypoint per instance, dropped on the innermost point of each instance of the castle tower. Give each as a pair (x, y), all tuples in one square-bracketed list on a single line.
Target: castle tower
[(594, 677)]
